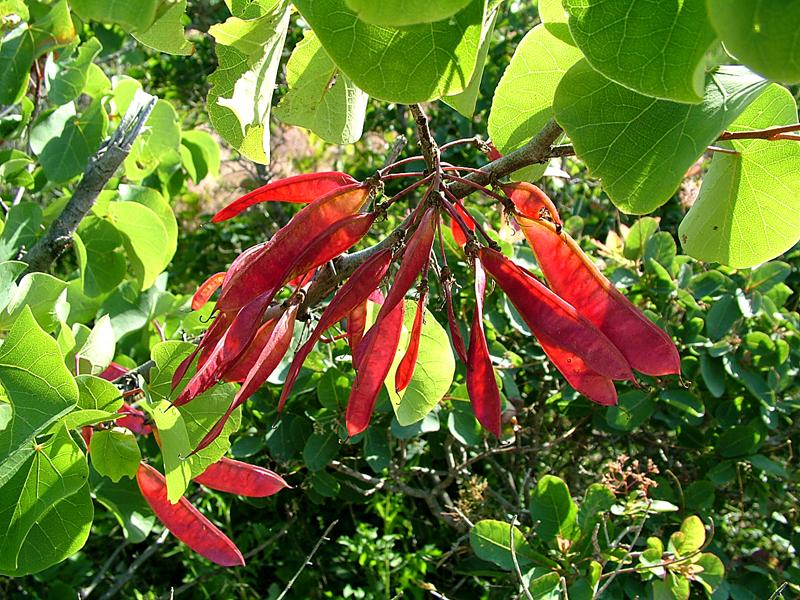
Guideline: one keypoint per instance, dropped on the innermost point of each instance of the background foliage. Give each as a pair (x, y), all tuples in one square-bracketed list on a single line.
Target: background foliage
[(420, 509)]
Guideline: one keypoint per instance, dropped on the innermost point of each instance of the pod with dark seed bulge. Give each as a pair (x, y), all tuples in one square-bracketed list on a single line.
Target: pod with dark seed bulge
[(242, 479), (300, 189), (484, 394), (185, 522), (552, 317), (572, 275)]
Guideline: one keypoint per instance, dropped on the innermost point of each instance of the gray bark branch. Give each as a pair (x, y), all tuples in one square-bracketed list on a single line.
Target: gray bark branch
[(100, 169)]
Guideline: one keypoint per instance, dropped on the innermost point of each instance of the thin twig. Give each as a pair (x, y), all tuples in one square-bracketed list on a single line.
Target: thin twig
[(87, 591), (307, 561), (514, 560), (125, 577), (611, 576)]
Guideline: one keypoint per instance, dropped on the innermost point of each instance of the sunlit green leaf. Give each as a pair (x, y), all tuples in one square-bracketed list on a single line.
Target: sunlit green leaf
[(748, 211)]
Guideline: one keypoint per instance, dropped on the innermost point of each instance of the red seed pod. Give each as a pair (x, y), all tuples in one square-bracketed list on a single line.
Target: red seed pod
[(359, 287), (230, 346), (531, 202), (212, 335), (241, 367), (405, 370), (458, 233), (415, 259), (265, 269), (591, 384), (271, 355), (481, 385), (553, 318), (134, 420), (572, 275), (242, 479), (377, 359), (177, 376), (455, 332), (337, 238), (300, 188), (206, 289), (113, 371), (357, 320), (185, 522)]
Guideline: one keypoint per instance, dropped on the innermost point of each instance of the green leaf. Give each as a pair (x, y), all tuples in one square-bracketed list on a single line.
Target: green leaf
[(712, 574), (767, 276), (320, 450), (674, 587), (69, 74), (240, 97), (691, 537), (175, 447), (55, 470), (491, 541), (98, 246), (204, 152), (377, 451), (685, 401), (320, 97), (53, 28), (762, 35), (463, 425), (132, 16), (554, 508), (597, 500), (721, 317), (115, 453), (409, 64), (59, 534), (16, 56), (64, 141), (126, 503), (638, 236), (634, 408), (464, 102), (523, 100), (400, 13), (21, 228), (654, 48), (746, 212), (432, 376), (159, 142), (166, 32), (82, 418), (145, 238), (200, 415), (98, 350), (37, 292), (713, 375), (9, 271), (641, 147), (153, 200), (738, 441)]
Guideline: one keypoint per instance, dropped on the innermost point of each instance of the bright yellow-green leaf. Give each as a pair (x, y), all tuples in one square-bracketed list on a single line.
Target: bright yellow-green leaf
[(748, 209)]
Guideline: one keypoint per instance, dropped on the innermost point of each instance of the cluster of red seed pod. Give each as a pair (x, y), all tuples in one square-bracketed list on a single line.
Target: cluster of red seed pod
[(590, 331), (183, 519)]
